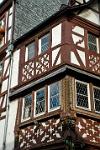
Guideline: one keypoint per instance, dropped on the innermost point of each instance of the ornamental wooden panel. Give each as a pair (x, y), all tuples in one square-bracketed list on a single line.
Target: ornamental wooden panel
[(41, 134), (40, 65), (88, 129)]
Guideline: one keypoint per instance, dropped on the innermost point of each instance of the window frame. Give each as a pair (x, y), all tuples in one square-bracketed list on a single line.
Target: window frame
[(95, 87), (39, 42), (27, 50), (88, 92), (97, 43), (58, 107), (42, 113), (23, 105)]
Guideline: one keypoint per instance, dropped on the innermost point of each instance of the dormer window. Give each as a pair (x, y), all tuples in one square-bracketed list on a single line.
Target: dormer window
[(93, 42)]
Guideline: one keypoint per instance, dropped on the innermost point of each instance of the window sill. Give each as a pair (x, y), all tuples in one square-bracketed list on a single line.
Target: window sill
[(90, 114), (42, 118)]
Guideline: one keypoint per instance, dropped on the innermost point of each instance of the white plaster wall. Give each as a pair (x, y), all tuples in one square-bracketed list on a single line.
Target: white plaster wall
[(15, 69), (78, 30), (11, 125), (74, 59), (56, 35), (2, 122), (6, 63), (54, 55), (4, 85)]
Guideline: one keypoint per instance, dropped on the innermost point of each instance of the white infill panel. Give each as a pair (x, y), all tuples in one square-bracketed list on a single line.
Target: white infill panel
[(54, 56), (56, 35), (78, 30), (6, 68), (11, 125), (78, 40), (15, 69), (82, 56), (74, 59), (4, 85), (2, 123)]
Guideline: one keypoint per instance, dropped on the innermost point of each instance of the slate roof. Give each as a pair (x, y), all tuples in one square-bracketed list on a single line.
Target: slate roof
[(30, 13)]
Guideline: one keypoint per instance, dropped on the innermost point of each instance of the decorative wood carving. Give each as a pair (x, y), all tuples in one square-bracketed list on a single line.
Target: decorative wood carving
[(40, 64), (94, 63), (88, 129), (42, 133)]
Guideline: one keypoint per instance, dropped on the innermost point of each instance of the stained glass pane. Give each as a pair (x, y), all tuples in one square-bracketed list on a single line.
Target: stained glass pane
[(40, 101), (45, 42), (92, 44), (27, 106), (97, 99), (54, 95), (82, 94), (31, 50)]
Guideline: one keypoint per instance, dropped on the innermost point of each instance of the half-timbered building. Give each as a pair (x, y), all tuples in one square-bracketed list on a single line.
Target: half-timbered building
[(50, 75)]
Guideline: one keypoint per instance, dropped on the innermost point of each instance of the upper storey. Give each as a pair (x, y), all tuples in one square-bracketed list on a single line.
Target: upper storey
[(6, 17)]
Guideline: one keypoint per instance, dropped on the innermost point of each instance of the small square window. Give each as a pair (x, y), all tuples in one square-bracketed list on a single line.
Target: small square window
[(96, 93), (26, 109), (93, 42), (40, 101), (82, 94), (30, 51), (54, 96), (44, 43)]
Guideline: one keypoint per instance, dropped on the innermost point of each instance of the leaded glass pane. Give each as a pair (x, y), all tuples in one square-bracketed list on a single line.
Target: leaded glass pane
[(92, 44), (54, 95), (40, 101), (27, 106), (45, 42), (97, 99), (82, 94), (31, 50)]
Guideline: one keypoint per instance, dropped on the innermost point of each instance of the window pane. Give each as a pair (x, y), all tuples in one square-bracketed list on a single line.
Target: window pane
[(40, 101), (97, 99), (45, 42), (27, 106), (31, 50), (82, 94), (92, 43), (54, 95), (1, 67)]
